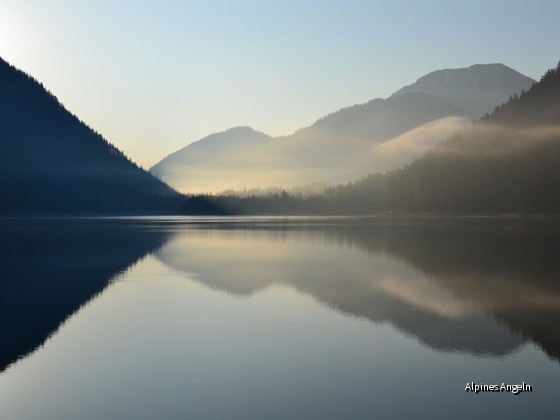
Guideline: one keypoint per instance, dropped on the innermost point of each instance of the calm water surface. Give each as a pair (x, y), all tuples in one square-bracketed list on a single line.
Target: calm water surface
[(258, 318)]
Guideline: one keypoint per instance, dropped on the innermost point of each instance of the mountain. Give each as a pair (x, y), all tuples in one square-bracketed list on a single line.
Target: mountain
[(52, 163), (376, 136), (476, 89), (382, 119), (506, 162), (336, 148), (207, 163)]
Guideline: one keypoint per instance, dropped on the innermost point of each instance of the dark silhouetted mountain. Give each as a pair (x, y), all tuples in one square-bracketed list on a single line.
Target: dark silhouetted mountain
[(476, 90), (338, 147), (51, 162)]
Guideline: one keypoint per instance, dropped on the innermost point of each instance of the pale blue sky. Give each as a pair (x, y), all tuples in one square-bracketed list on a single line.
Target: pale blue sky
[(152, 76)]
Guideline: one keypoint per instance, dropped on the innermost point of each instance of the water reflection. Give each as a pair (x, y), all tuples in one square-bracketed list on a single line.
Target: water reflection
[(269, 318), (50, 268), (472, 288), (477, 286)]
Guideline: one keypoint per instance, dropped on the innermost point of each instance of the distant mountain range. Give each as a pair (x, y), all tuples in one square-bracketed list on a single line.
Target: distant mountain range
[(338, 147), (51, 162), (379, 135), (506, 162)]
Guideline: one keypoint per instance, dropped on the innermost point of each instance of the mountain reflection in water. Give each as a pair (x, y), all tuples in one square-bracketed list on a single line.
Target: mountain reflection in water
[(480, 286), (483, 287), (50, 268), (313, 308)]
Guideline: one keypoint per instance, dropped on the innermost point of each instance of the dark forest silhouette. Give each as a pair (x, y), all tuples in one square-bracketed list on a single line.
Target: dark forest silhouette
[(51, 162)]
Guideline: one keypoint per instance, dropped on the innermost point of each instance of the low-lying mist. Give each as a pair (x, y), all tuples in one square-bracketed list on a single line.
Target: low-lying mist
[(487, 139), (303, 163)]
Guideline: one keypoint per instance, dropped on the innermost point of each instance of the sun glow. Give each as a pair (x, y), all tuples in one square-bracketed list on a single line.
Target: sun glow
[(16, 34)]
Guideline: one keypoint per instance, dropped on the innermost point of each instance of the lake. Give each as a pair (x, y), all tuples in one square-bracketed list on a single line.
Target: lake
[(278, 318)]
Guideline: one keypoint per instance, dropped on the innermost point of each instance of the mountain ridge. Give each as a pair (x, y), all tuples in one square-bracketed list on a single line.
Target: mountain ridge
[(340, 146), (52, 162), (506, 162), (476, 89), (229, 138)]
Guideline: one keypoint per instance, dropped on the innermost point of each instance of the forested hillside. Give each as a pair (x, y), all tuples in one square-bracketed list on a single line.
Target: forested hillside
[(52, 163), (507, 162)]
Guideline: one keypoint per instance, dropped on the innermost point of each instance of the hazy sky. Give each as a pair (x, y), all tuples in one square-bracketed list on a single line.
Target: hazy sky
[(152, 76)]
